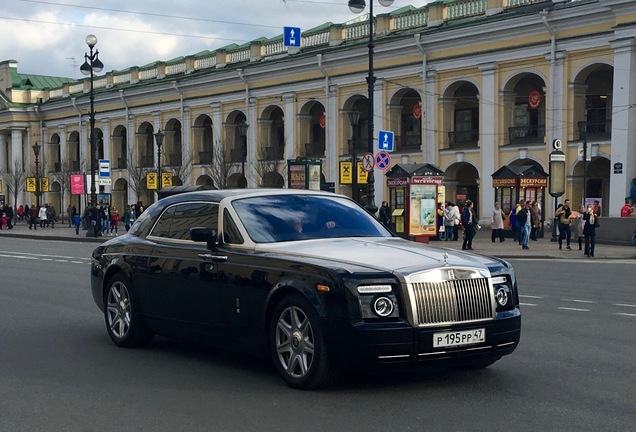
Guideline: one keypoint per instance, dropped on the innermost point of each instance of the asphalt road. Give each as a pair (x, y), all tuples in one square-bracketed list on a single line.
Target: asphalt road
[(574, 369)]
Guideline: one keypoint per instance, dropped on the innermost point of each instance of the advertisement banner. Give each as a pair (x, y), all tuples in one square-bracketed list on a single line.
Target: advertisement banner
[(77, 184), (423, 210)]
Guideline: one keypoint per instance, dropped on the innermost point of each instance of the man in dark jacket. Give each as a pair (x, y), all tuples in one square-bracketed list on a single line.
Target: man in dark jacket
[(526, 220), (470, 223)]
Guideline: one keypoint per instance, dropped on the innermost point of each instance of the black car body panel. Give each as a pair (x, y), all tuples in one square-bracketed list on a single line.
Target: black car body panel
[(228, 292)]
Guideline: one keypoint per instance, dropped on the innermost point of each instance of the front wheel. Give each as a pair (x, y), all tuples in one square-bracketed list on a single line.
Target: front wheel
[(124, 322), (297, 345)]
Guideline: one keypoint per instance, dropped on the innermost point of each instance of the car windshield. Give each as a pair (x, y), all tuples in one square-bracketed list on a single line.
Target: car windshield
[(281, 218)]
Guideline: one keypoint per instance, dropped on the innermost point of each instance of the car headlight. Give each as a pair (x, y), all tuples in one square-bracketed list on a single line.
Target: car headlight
[(502, 292), (383, 307), (502, 295), (377, 301)]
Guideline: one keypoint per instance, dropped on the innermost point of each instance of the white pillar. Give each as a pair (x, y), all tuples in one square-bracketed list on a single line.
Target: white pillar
[(290, 126), (108, 154), (488, 103), (4, 151), (252, 143), (623, 124), (428, 111), (331, 144)]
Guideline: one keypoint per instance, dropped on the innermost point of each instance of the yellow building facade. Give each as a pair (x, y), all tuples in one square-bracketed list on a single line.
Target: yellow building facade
[(478, 88)]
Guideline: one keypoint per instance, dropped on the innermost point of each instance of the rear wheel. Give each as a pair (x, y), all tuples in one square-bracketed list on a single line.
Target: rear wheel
[(124, 322), (297, 345)]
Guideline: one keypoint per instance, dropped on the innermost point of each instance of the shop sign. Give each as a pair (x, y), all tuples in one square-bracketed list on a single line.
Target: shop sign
[(437, 180), (77, 184), (397, 181), (504, 182), (533, 182), (323, 120), (534, 99), (417, 110), (297, 176)]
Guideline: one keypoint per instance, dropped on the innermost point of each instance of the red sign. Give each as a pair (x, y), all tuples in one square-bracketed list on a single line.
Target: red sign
[(397, 181), (417, 110), (77, 184), (534, 99), (438, 180), (323, 120)]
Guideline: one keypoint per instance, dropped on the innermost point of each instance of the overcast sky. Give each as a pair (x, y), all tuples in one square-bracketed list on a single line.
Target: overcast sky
[(48, 37)]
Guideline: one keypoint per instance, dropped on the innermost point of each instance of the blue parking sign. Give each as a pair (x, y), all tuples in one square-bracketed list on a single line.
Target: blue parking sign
[(385, 140)]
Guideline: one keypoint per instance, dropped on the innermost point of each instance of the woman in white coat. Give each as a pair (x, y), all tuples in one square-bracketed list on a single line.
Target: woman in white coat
[(42, 216), (497, 223)]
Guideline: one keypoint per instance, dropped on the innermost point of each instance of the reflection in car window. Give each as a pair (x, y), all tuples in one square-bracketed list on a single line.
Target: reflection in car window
[(277, 218), (231, 232), (176, 221)]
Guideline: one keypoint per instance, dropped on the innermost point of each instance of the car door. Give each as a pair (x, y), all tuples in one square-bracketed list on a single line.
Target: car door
[(184, 288)]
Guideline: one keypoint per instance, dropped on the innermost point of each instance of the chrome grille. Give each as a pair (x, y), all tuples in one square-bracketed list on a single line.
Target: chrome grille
[(453, 301)]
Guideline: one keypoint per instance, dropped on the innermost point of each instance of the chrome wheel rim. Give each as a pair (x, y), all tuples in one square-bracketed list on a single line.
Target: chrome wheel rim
[(118, 310), (295, 342)]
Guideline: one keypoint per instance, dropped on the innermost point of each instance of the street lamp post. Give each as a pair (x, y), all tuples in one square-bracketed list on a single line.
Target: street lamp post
[(36, 152), (557, 179), (357, 6), (91, 65), (159, 140), (242, 128), (354, 119)]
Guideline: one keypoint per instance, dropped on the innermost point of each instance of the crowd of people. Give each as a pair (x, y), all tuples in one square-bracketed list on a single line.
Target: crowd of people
[(102, 218)]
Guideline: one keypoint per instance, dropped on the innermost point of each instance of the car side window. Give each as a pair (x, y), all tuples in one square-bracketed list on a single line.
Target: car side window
[(194, 214), (231, 233), (175, 222)]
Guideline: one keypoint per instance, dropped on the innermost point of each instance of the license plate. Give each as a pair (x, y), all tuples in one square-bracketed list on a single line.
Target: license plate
[(459, 338)]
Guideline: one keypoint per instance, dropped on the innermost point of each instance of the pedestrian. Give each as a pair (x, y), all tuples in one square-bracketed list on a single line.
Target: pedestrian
[(591, 223), (3, 220), (449, 221), (563, 214), (105, 221), (439, 220), (497, 223), (457, 215), (70, 214), (51, 215), (77, 221), (42, 216), (516, 228), (470, 224), (129, 216), (10, 216), (20, 212), (114, 220), (626, 209), (525, 220), (536, 215), (33, 217), (578, 224), (385, 214), (95, 217)]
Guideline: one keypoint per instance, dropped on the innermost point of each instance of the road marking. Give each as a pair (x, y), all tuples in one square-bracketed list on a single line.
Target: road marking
[(40, 255), (624, 305), (625, 314), (578, 301), (19, 256), (574, 309), (530, 296), (527, 304)]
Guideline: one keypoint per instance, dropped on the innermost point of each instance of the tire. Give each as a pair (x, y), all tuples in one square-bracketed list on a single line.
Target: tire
[(297, 345), (124, 322)]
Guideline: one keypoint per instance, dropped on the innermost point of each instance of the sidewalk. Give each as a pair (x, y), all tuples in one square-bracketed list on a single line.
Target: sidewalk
[(542, 248)]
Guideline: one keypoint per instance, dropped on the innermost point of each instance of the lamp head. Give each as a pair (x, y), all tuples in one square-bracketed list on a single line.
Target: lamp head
[(386, 3), (97, 64), (242, 128), (36, 149), (85, 68), (354, 116), (357, 6), (91, 40), (159, 138)]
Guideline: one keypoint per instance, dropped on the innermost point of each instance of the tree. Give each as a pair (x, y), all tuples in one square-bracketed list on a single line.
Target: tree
[(182, 171), (221, 167), (15, 181), (266, 164), (136, 176), (63, 177)]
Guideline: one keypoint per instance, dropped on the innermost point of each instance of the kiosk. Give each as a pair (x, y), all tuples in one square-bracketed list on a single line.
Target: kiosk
[(520, 182), (414, 191)]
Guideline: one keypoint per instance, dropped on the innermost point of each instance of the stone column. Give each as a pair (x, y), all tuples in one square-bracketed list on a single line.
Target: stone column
[(488, 101), (623, 124), (291, 139)]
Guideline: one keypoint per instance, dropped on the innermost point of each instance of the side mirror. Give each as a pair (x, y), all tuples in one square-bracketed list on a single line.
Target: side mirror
[(203, 234)]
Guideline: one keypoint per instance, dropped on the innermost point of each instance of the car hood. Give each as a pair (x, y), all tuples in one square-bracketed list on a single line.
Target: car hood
[(383, 254)]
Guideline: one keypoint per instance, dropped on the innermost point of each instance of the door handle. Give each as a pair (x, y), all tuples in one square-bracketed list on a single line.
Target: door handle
[(213, 258)]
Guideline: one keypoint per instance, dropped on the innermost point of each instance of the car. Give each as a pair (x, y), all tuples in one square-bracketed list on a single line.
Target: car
[(308, 278)]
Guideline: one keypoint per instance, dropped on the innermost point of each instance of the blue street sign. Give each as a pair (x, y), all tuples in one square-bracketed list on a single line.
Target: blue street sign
[(385, 140), (104, 168), (382, 159), (291, 37)]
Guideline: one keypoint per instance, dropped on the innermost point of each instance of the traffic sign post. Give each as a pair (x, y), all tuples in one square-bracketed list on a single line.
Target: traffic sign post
[(367, 162), (291, 37), (383, 160), (385, 140)]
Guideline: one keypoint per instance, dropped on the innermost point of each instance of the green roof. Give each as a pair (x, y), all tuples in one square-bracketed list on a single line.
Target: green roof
[(39, 82)]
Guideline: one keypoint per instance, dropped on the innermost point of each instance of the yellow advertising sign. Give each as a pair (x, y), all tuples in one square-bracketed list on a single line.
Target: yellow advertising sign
[(0, 186), (151, 180), (44, 184), (30, 184), (166, 179), (346, 173)]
